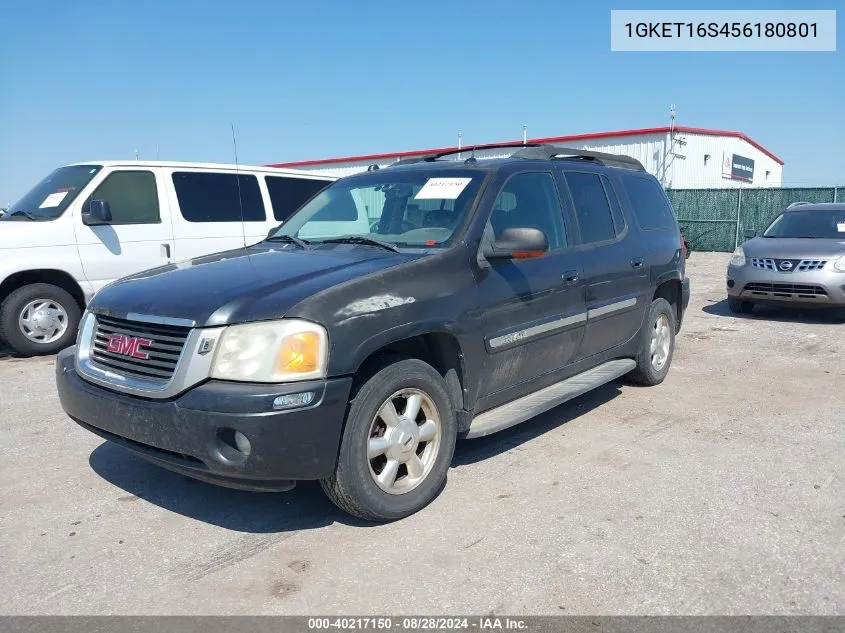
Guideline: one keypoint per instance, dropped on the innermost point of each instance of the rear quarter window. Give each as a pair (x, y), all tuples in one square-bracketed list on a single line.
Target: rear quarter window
[(650, 205), (287, 193)]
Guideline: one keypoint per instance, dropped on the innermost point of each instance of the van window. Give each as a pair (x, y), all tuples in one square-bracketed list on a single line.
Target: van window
[(50, 197), (591, 207), (650, 203), (217, 197), (132, 197), (288, 194)]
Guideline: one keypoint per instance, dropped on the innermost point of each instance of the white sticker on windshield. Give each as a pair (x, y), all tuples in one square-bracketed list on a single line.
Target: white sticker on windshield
[(840, 226), (53, 200), (442, 188)]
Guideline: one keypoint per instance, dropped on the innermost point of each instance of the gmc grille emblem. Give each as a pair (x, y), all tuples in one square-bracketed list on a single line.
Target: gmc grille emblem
[(128, 345)]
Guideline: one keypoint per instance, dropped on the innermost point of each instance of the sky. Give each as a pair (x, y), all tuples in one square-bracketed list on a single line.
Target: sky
[(98, 80)]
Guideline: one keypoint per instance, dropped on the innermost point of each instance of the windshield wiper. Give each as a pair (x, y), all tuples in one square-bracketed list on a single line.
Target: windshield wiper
[(29, 215), (360, 239), (289, 239)]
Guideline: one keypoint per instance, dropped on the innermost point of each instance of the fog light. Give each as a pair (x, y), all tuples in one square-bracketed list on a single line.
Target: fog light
[(731, 283), (293, 400), (242, 443)]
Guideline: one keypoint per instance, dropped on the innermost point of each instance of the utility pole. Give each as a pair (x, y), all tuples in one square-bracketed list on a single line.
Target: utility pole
[(460, 139), (524, 134)]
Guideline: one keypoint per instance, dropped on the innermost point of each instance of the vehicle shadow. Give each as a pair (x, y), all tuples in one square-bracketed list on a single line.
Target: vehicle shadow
[(479, 449), (303, 508), (812, 316)]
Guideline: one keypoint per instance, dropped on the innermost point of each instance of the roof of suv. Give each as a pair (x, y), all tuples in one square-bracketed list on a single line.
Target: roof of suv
[(817, 206)]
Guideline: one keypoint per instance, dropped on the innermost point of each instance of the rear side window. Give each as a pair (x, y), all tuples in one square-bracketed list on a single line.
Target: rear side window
[(592, 208), (615, 207), (214, 197), (132, 197), (650, 203), (288, 194)]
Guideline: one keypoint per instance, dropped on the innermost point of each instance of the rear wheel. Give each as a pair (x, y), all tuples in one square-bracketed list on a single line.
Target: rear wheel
[(39, 319), (657, 345), (737, 306), (397, 444)]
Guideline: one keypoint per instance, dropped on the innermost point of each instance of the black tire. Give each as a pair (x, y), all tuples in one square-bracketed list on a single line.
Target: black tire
[(646, 373), (15, 303), (737, 306), (352, 487)]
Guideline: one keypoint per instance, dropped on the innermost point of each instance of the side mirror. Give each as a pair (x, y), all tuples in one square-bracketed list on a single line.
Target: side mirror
[(518, 243), (96, 212), (749, 233)]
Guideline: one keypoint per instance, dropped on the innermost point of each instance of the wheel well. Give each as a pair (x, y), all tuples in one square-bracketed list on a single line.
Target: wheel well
[(439, 350), (671, 291), (47, 276)]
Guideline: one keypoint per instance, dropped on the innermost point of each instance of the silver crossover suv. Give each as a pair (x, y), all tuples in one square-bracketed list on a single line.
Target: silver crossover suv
[(798, 260)]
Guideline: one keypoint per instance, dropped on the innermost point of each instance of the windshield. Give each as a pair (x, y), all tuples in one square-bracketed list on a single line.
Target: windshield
[(50, 197), (419, 209), (809, 224)]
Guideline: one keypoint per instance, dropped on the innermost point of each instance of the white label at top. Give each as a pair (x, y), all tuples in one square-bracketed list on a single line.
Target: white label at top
[(840, 226), (53, 200), (442, 188)]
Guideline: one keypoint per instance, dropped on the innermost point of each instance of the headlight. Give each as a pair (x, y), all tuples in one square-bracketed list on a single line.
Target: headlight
[(271, 351), (738, 258), (839, 264)]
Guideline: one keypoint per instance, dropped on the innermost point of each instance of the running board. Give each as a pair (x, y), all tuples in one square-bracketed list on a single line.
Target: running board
[(525, 408)]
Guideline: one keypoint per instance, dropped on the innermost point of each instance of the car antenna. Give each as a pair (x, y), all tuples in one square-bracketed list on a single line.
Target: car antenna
[(238, 178)]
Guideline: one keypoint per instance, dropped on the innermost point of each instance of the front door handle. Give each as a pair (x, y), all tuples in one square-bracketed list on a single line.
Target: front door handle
[(637, 262), (570, 276), (165, 251)]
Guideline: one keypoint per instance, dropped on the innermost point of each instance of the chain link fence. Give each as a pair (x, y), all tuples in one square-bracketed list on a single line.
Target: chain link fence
[(715, 219)]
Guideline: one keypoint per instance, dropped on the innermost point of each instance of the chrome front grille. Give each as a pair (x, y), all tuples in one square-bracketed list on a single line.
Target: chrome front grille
[(801, 266), (149, 351), (761, 262), (811, 264)]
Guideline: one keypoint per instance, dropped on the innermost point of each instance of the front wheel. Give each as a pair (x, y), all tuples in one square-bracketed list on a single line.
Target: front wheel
[(397, 445), (39, 319), (657, 345)]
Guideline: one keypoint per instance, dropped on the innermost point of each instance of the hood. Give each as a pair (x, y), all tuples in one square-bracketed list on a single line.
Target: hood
[(29, 233), (251, 284), (793, 248)]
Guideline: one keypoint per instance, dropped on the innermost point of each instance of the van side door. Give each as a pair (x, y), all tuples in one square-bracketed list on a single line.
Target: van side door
[(615, 267), (214, 211), (138, 236)]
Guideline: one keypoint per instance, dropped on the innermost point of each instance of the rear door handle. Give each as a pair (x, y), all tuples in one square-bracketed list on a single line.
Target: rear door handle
[(570, 276), (165, 251), (637, 262)]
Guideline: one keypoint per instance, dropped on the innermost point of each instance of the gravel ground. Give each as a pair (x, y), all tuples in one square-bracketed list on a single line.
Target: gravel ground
[(720, 492)]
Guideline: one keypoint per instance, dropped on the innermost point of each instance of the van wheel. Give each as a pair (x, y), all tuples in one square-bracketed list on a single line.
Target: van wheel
[(397, 445), (39, 319), (657, 344)]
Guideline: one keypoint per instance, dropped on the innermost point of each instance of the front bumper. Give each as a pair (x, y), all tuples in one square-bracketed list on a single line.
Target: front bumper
[(193, 433), (824, 288)]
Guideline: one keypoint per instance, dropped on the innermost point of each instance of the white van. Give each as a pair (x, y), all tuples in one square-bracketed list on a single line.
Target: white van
[(88, 224)]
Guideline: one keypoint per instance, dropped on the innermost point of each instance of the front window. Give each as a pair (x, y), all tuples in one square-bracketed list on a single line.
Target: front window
[(49, 198), (416, 209), (821, 224)]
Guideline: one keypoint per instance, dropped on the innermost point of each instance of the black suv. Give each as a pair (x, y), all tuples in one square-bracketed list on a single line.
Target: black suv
[(398, 310)]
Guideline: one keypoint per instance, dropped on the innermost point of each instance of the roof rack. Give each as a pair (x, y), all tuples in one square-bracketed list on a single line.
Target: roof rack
[(797, 204), (546, 152), (537, 151)]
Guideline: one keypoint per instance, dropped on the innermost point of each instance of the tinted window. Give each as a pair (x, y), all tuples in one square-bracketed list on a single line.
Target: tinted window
[(649, 202), (530, 200), (132, 197), (288, 194), (615, 207), (210, 197), (591, 207)]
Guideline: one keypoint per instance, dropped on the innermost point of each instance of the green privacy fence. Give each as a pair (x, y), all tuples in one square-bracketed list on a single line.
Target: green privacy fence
[(715, 219)]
